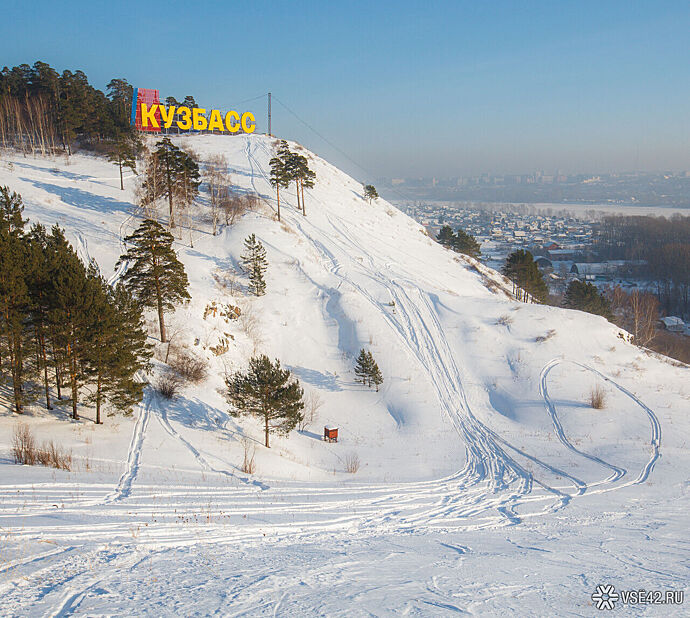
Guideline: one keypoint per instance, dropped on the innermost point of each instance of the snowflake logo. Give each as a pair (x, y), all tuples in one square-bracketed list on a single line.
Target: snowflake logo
[(605, 597)]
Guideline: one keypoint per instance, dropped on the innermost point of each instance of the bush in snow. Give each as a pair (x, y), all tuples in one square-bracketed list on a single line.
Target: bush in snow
[(352, 462), (189, 367), (24, 445), (168, 385), (597, 397)]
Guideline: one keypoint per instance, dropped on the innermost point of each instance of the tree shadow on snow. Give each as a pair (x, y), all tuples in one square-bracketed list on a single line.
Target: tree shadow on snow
[(325, 381), (82, 199), (53, 170), (194, 414)]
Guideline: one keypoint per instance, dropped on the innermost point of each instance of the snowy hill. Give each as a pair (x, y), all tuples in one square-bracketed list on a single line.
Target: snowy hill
[(479, 450)]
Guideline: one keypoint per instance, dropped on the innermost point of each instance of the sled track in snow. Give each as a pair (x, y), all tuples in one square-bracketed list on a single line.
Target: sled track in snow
[(618, 473), (124, 486)]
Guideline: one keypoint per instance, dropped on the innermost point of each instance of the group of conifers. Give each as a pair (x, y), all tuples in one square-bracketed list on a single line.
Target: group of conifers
[(64, 327)]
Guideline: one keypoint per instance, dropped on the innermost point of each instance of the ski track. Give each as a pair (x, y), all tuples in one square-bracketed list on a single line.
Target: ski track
[(124, 486)]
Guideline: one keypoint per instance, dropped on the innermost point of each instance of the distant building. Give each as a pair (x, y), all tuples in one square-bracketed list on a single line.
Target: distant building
[(673, 324)]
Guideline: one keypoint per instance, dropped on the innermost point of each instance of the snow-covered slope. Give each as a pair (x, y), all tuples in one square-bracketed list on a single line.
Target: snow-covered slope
[(481, 423)]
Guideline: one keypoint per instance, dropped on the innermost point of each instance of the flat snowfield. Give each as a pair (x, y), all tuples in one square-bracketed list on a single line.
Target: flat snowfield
[(486, 485)]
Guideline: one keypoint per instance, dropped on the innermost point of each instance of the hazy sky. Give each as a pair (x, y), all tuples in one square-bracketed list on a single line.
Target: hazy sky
[(404, 88)]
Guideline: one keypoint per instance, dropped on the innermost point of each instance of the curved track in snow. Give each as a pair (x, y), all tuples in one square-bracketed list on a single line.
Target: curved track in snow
[(617, 472)]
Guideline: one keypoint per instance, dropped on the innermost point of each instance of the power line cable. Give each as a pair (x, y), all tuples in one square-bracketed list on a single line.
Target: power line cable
[(332, 145)]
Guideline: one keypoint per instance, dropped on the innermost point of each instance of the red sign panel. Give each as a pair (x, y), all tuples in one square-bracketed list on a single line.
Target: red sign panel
[(150, 97)]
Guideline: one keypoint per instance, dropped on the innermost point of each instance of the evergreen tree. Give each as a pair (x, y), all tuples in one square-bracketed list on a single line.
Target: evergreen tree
[(155, 276), (363, 366), (189, 102), (73, 299), (255, 264), (304, 177), (123, 153), (522, 270), (466, 243), (446, 236), (375, 375), (266, 392), (279, 178), (586, 297), (40, 292), (14, 294), (173, 174), (118, 349), (370, 193), (120, 93), (367, 370)]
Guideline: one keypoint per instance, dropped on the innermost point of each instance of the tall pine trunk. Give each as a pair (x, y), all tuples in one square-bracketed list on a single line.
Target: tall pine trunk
[(40, 337), (73, 379), (58, 365), (299, 207), (16, 366), (266, 428), (168, 182), (99, 391), (278, 200), (122, 184), (304, 208)]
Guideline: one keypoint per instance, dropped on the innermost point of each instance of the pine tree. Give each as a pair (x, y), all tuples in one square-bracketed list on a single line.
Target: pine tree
[(40, 292), (155, 277), (367, 370), (72, 299), (305, 177), (173, 174), (363, 366), (375, 375), (586, 297), (466, 244), (279, 179), (522, 270), (255, 264), (123, 153), (118, 348), (370, 193), (266, 392), (14, 294), (446, 236), (280, 176)]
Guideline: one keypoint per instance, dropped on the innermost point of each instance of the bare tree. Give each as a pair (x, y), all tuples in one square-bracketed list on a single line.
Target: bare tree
[(644, 313), (218, 181)]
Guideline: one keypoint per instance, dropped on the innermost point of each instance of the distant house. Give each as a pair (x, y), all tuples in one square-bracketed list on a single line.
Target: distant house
[(553, 247), (543, 262), (673, 324), (595, 270)]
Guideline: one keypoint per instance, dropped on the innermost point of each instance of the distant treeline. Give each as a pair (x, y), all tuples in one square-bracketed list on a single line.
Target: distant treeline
[(663, 248), (43, 111)]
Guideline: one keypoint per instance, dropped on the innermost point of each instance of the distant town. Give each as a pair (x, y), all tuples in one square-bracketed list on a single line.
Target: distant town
[(671, 188), (562, 241)]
